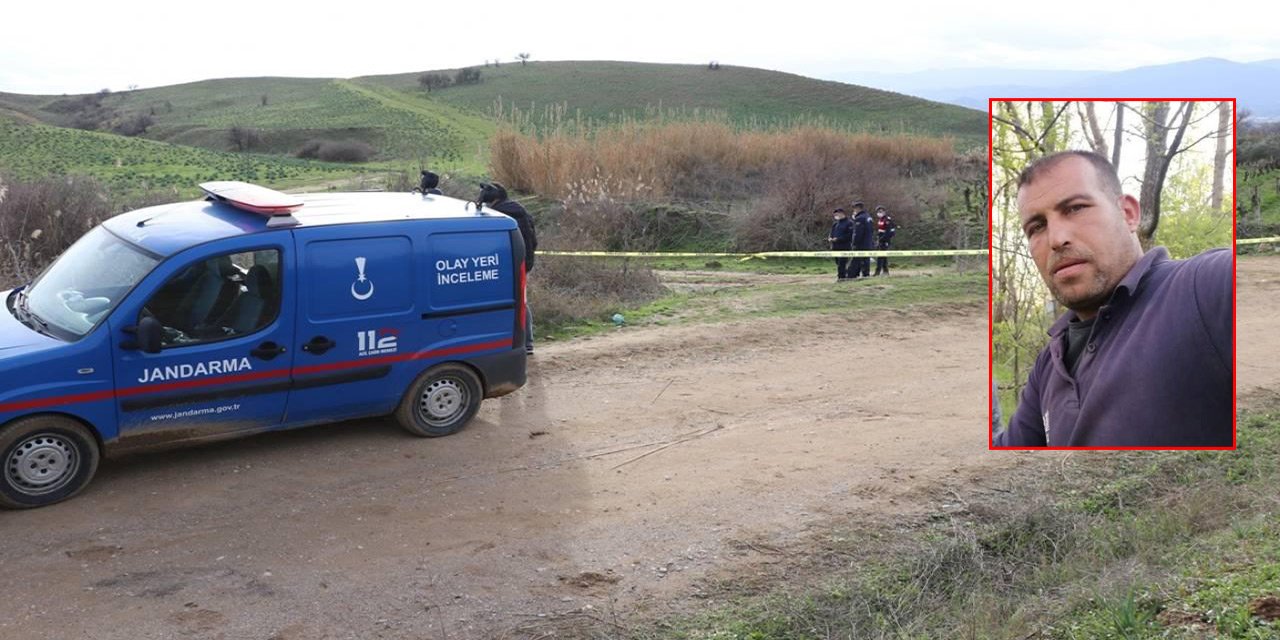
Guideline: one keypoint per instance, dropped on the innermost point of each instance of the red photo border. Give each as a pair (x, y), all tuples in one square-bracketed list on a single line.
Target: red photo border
[(991, 274)]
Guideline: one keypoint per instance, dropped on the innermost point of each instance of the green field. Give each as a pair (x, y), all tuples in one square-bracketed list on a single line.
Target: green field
[(130, 165), (296, 110)]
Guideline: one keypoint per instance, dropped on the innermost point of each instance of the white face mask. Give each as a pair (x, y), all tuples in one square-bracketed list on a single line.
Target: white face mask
[(879, 214)]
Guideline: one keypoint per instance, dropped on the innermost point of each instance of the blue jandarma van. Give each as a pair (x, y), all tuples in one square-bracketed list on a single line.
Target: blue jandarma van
[(254, 310)]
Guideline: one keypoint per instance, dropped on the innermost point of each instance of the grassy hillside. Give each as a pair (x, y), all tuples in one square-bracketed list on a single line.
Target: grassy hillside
[(451, 126), (606, 90), (448, 129), (296, 110), (129, 165)]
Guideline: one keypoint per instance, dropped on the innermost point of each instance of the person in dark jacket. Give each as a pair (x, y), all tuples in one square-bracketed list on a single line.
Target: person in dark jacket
[(841, 239), (1143, 356), (885, 228), (430, 184), (863, 239), (494, 195)]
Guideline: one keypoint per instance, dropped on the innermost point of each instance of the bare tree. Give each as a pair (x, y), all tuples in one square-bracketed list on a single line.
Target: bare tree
[(523, 58), (469, 75), (1159, 157), (1119, 135), (434, 80), (1093, 132), (1220, 155), (244, 138)]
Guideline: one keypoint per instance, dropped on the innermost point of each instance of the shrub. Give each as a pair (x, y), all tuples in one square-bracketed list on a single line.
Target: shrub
[(40, 218), (611, 225), (469, 75), (336, 151), (564, 290), (434, 80), (134, 125), (690, 159), (244, 138)]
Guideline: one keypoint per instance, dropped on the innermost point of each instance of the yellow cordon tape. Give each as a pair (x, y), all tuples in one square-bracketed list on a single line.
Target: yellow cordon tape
[(868, 254), (1258, 240), (769, 254), (641, 254)]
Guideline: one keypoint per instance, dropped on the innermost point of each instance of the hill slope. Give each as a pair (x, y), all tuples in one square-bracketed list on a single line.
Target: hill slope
[(128, 165), (284, 112), (451, 126), (604, 91)]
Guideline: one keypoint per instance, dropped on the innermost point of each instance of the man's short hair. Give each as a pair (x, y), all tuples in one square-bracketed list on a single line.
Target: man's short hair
[(1106, 172)]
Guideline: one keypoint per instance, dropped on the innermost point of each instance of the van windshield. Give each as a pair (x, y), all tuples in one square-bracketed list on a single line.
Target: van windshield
[(84, 285)]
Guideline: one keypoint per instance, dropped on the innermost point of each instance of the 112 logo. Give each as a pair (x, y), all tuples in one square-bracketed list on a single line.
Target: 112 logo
[(370, 343)]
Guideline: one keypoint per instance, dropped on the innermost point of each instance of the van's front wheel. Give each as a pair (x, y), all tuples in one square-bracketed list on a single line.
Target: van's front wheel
[(43, 460), (441, 401)]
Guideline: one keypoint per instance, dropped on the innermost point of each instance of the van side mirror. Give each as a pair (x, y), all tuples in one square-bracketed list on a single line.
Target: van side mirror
[(149, 333)]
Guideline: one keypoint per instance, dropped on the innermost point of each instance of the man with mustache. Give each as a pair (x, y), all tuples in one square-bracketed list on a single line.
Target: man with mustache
[(1143, 357)]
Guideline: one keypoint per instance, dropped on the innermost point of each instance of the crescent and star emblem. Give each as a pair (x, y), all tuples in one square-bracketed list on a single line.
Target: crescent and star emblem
[(361, 279)]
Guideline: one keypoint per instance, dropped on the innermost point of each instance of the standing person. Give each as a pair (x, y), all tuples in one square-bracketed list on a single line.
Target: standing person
[(841, 239), (430, 184), (863, 239), (885, 228), (495, 196)]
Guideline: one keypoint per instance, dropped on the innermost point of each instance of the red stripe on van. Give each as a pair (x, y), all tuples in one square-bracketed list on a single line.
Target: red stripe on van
[(41, 403), (95, 396)]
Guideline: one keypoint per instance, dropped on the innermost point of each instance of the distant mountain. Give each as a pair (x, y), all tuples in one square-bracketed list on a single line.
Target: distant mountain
[(1255, 85), (942, 81)]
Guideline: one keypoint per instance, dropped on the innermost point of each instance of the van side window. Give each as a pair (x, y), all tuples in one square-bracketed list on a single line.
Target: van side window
[(222, 297)]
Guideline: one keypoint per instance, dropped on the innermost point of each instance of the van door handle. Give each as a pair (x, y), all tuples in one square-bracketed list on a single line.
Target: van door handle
[(319, 345), (267, 350)]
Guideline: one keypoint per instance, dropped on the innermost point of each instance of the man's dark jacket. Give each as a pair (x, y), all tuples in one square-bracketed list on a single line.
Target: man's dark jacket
[(1157, 370), (863, 231), (522, 218), (842, 231)]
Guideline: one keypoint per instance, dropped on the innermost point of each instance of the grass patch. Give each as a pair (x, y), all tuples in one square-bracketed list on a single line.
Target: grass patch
[(1087, 546), (699, 300)]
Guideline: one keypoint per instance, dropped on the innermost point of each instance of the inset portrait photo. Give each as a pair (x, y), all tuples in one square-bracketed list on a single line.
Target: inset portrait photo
[(1112, 274)]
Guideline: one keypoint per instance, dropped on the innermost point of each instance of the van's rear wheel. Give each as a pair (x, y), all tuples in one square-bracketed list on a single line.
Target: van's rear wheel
[(441, 401), (43, 460)]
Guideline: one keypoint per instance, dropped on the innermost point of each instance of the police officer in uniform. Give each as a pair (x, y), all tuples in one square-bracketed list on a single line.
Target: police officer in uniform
[(863, 239), (841, 239), (885, 228)]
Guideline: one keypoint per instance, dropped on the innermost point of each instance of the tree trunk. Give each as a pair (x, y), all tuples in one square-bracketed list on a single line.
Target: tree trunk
[(1154, 131), (1220, 156), (1158, 160), (1119, 136), (1096, 139)]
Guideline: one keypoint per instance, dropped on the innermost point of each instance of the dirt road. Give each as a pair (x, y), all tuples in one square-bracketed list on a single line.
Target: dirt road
[(632, 466)]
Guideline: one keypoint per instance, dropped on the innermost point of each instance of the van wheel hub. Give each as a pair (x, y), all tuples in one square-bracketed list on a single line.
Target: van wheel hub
[(443, 400), (41, 464)]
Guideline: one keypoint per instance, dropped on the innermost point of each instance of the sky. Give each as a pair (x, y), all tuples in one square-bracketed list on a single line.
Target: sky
[(74, 46)]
